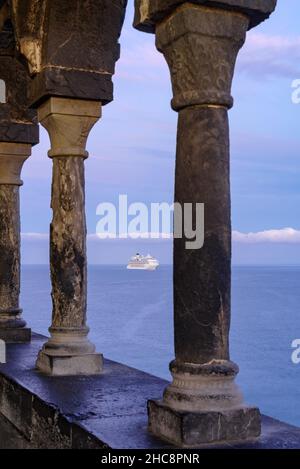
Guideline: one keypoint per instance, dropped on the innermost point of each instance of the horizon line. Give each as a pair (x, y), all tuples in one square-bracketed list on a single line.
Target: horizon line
[(170, 265)]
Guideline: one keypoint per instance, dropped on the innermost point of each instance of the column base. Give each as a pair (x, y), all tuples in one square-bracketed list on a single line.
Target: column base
[(68, 352), (203, 405), (11, 336), (87, 364), (193, 428)]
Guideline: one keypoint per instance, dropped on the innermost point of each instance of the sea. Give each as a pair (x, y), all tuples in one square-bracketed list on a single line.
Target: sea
[(130, 320)]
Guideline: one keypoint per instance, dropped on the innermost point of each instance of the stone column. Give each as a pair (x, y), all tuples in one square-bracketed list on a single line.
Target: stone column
[(18, 132), (12, 326), (200, 45), (68, 351), (67, 90)]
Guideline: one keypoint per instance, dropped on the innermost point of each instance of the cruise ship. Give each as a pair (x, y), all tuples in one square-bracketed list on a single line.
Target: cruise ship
[(140, 262)]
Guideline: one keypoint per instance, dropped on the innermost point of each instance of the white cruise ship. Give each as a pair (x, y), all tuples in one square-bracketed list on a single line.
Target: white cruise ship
[(140, 262)]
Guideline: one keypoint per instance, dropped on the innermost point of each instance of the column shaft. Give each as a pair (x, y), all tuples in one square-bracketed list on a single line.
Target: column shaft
[(68, 243), (12, 326), (202, 276), (10, 256)]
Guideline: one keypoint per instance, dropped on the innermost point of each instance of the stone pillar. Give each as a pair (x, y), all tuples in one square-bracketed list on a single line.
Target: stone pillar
[(12, 326), (200, 44), (67, 89), (18, 133), (68, 351)]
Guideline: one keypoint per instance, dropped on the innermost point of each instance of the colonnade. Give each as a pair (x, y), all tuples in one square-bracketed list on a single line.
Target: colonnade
[(64, 60)]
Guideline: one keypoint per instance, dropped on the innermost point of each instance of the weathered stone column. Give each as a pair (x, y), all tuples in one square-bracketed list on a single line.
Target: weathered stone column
[(67, 89), (12, 326), (18, 132), (68, 351), (200, 44)]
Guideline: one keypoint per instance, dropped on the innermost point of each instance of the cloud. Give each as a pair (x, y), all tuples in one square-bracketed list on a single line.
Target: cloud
[(284, 235), (34, 236), (100, 236), (265, 56), (140, 60), (141, 235)]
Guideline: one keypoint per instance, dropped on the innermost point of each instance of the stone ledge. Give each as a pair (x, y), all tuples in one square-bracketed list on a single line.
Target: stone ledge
[(74, 84), (109, 410), (18, 132)]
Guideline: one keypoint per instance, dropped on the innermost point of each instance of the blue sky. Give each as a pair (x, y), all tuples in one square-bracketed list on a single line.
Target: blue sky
[(132, 149)]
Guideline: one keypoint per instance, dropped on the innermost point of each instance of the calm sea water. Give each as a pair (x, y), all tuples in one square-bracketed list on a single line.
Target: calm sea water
[(130, 316)]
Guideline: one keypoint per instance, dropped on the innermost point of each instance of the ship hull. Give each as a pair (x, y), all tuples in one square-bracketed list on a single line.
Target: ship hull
[(141, 267)]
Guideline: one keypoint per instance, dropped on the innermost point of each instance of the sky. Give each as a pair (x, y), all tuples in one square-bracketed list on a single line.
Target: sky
[(132, 149)]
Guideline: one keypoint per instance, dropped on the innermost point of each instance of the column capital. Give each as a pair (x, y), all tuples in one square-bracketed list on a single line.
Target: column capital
[(12, 157), (200, 46), (148, 13), (68, 122)]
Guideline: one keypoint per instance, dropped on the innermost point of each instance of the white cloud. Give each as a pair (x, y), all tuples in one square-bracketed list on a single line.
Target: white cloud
[(140, 60), (266, 42), (270, 55), (34, 236), (284, 235), (100, 236)]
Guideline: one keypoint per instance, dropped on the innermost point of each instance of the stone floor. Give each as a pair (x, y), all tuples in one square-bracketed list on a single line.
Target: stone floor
[(108, 410)]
